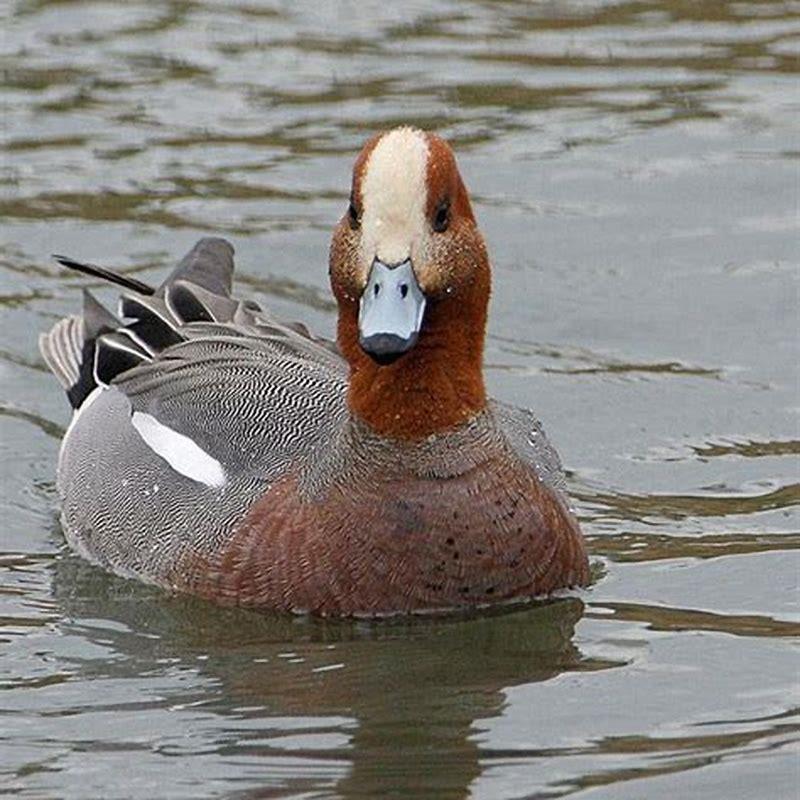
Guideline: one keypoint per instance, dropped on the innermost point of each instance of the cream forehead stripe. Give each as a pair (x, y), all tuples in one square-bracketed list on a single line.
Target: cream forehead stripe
[(393, 197)]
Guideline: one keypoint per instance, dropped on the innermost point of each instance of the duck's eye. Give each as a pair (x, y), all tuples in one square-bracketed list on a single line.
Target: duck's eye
[(442, 217), (352, 213)]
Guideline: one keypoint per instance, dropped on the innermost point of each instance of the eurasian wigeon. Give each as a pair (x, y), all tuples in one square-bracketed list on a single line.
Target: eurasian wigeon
[(217, 451)]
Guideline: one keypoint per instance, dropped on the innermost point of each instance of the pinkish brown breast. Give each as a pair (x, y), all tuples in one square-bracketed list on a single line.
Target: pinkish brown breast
[(381, 546)]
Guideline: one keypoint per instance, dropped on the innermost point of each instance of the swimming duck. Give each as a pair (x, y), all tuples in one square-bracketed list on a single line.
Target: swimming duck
[(218, 451)]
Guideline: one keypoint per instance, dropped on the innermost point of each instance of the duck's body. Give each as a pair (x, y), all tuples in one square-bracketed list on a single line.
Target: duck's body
[(219, 452)]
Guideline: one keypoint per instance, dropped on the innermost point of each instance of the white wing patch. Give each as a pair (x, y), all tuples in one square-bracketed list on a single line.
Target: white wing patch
[(179, 451)]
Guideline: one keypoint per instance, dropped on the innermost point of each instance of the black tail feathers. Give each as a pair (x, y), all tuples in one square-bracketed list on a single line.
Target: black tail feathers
[(105, 274), (92, 349)]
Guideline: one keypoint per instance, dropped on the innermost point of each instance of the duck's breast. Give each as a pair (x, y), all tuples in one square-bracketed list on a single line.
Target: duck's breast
[(376, 544)]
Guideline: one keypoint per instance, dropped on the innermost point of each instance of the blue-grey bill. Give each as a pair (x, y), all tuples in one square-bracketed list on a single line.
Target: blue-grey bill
[(390, 312)]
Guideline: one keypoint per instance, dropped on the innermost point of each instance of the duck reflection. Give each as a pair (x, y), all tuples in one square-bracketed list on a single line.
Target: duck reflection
[(415, 689)]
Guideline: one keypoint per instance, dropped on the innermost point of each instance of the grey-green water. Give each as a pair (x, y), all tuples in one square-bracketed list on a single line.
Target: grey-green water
[(635, 170)]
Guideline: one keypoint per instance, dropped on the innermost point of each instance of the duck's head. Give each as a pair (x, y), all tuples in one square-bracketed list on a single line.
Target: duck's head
[(407, 248)]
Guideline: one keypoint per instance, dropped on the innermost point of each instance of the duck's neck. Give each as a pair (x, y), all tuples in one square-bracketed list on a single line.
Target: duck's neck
[(436, 386)]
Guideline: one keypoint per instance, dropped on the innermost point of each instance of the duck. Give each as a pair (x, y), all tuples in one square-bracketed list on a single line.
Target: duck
[(217, 451)]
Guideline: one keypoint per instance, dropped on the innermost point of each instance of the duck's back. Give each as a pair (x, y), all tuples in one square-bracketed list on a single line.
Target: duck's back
[(195, 406)]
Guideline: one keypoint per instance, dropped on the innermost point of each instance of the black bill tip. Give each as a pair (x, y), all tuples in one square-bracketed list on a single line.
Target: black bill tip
[(386, 348)]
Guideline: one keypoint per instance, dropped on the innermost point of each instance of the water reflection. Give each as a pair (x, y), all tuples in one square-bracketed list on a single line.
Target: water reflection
[(648, 547), (414, 689), (620, 505), (662, 618)]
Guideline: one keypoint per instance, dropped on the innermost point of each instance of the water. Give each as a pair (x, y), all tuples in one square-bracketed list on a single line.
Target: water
[(635, 170)]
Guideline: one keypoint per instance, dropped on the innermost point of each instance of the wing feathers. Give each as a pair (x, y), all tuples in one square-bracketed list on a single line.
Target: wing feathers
[(61, 349), (192, 304)]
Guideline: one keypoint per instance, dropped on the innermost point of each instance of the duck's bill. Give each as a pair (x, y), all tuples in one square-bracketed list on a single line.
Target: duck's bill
[(390, 312)]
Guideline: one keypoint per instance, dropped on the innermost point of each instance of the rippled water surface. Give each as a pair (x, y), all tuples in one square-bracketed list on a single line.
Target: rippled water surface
[(634, 167)]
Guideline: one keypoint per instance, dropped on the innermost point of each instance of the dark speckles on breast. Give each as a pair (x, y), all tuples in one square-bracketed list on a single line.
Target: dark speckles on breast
[(407, 517), (389, 545)]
